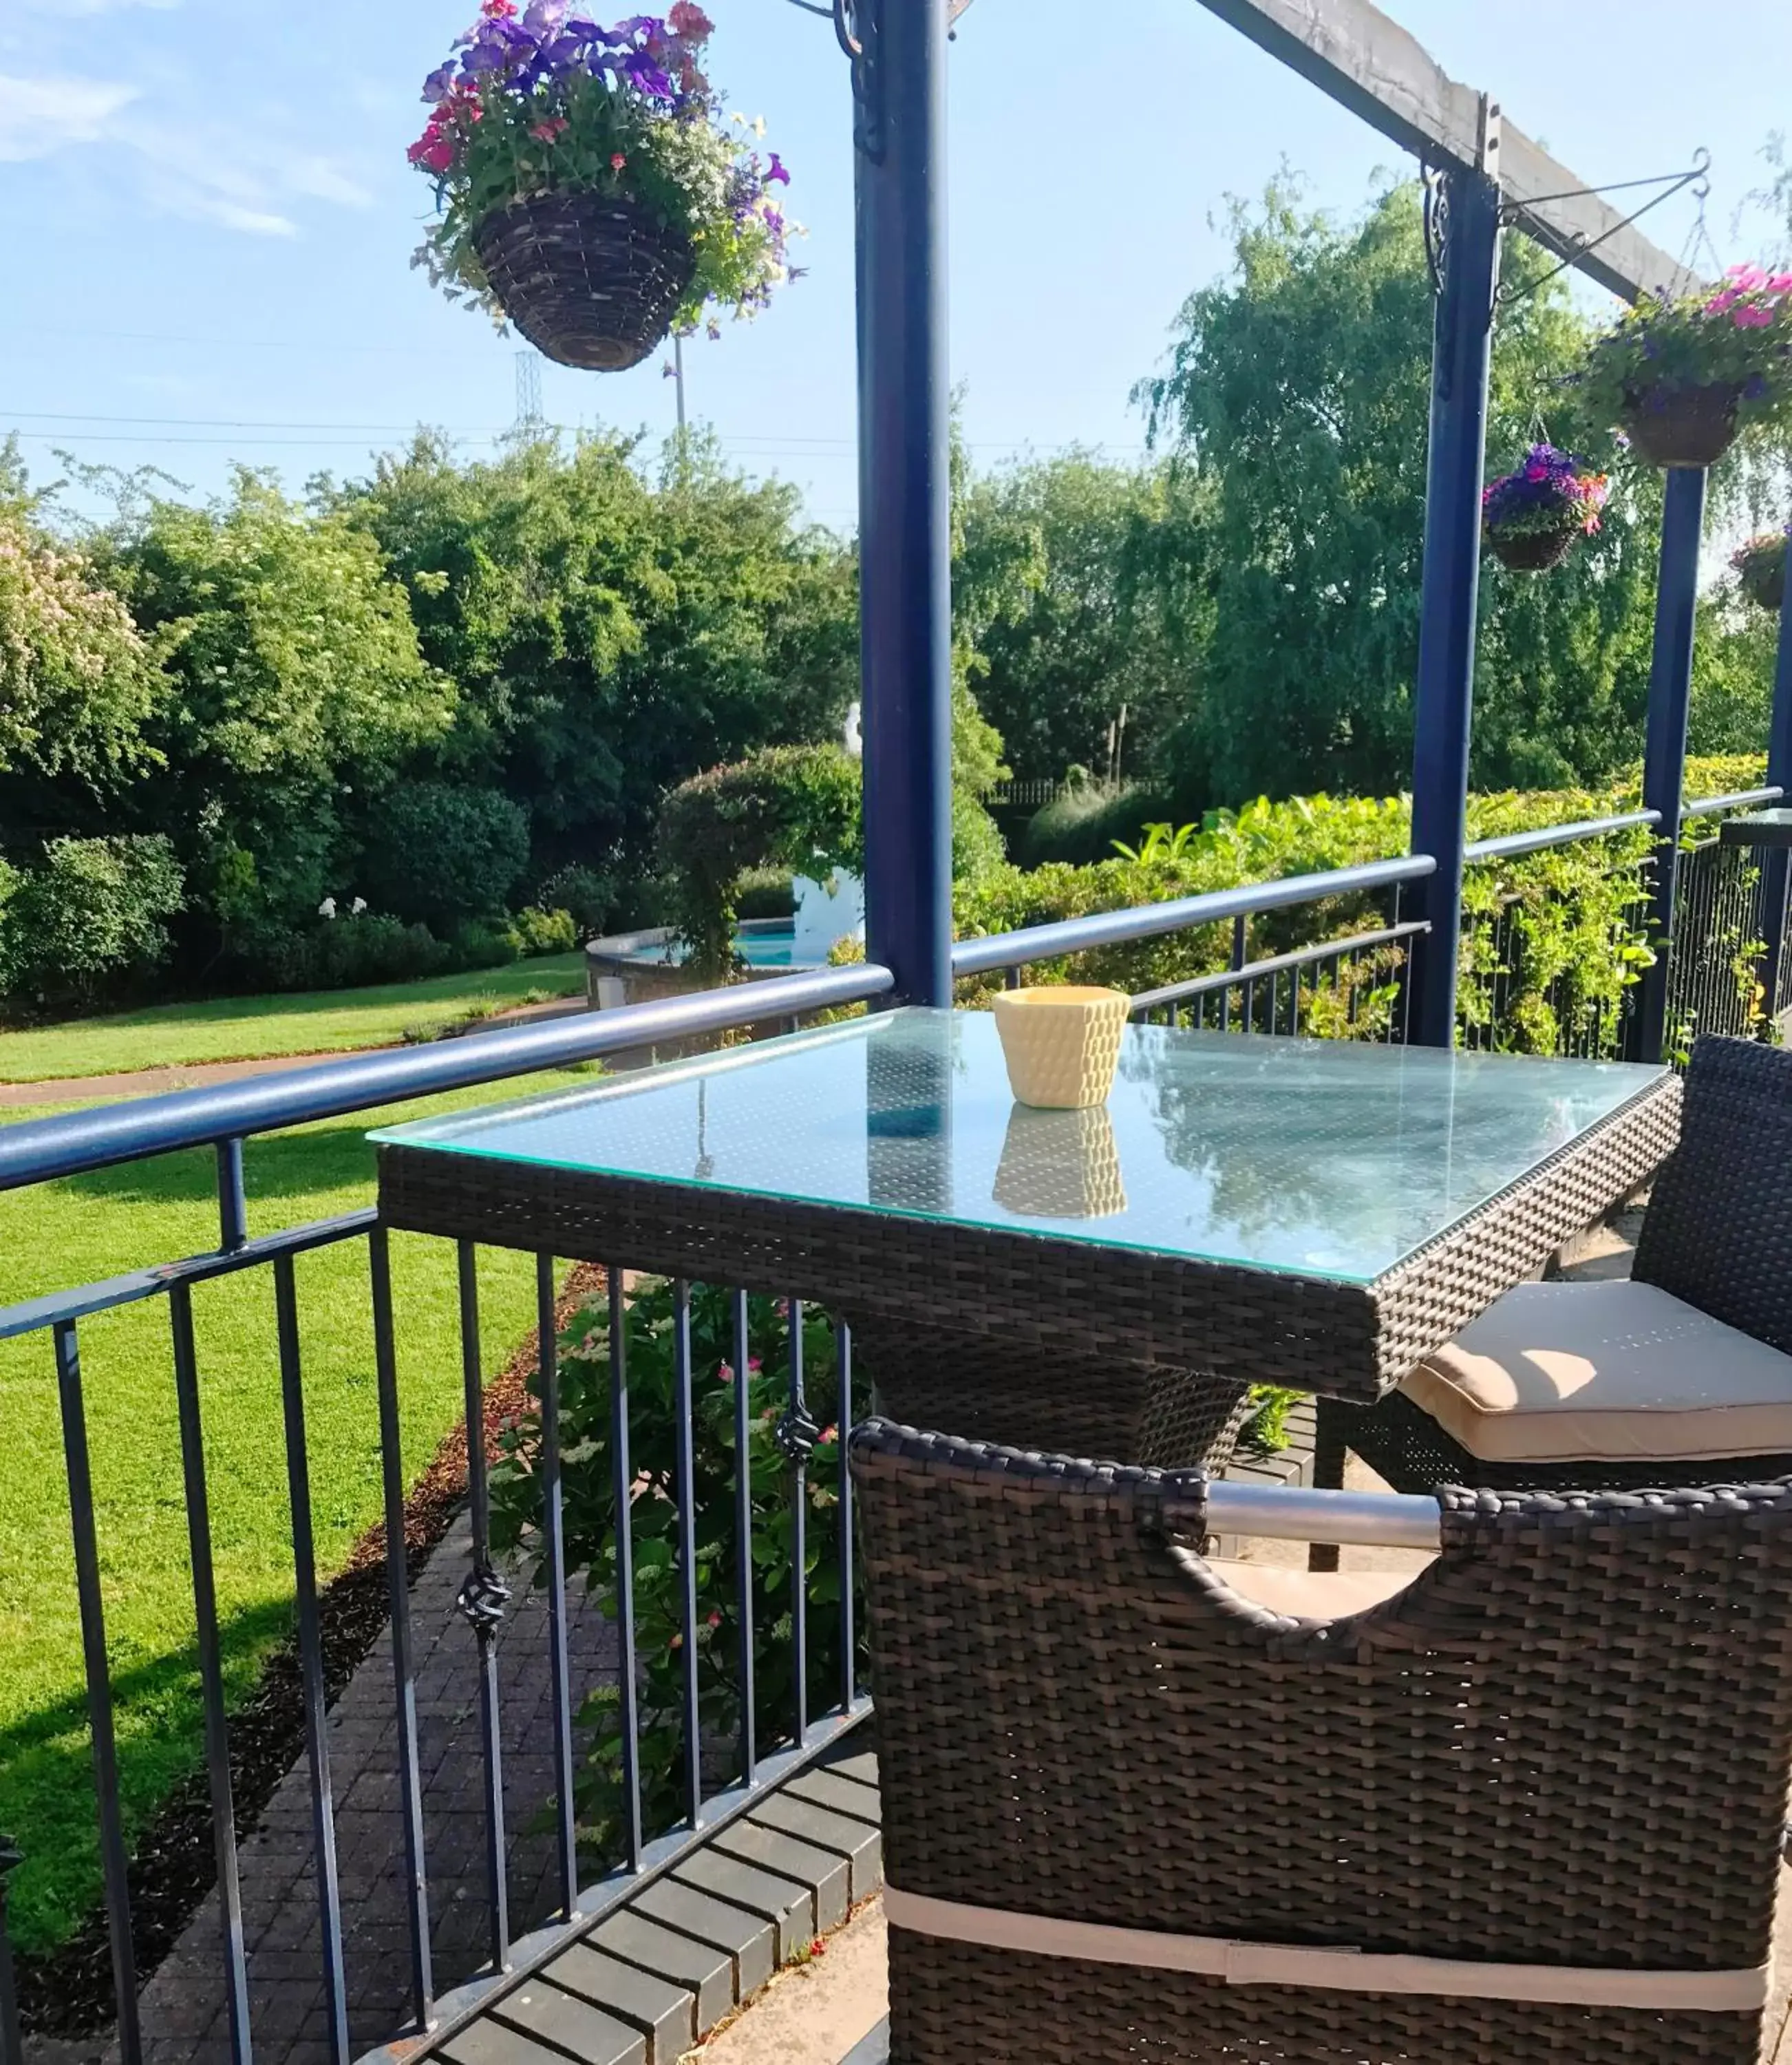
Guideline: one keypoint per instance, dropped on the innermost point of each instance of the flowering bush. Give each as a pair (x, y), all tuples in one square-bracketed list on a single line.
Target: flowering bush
[(1553, 493), (547, 103), (1739, 338), (1760, 567)]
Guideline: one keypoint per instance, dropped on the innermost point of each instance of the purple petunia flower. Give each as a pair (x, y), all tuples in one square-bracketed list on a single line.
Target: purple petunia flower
[(777, 172)]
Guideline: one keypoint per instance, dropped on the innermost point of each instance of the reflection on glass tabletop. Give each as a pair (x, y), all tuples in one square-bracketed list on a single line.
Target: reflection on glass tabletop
[(1324, 1158)]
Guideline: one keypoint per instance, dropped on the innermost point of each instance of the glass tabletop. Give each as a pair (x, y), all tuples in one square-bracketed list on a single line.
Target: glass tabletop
[(1320, 1158)]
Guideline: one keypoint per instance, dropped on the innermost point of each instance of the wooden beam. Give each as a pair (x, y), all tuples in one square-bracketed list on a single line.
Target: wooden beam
[(1370, 65)]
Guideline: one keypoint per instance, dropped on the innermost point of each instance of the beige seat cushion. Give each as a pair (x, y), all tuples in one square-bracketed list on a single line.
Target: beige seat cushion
[(1309, 1595), (1605, 1372)]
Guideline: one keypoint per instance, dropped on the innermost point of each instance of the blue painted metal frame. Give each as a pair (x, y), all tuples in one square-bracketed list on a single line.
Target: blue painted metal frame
[(1462, 353), (905, 580), (1776, 867), (1670, 688)]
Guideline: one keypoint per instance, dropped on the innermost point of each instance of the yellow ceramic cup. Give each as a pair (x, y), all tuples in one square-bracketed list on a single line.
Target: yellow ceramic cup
[(1062, 1044)]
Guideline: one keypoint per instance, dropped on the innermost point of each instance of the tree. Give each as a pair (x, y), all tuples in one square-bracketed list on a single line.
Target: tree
[(298, 692), (1300, 387), (612, 636)]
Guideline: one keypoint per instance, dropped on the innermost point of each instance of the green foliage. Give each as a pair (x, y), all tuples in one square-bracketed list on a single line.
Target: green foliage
[(587, 894), (1088, 823), (592, 1527), (1300, 388), (765, 892), (92, 910), (795, 807), (440, 854), (347, 952), (534, 930)]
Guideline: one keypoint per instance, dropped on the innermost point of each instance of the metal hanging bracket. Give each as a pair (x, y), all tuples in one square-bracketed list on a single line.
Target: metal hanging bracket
[(1670, 183)]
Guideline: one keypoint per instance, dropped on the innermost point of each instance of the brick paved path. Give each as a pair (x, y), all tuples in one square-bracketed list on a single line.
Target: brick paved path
[(184, 2014)]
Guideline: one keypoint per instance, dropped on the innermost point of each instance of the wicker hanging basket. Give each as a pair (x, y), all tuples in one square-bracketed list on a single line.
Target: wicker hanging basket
[(1682, 426), (1531, 552), (1763, 581), (591, 279)]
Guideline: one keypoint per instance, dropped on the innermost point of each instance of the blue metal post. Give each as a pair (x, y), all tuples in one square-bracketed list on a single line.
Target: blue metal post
[(1462, 349), (905, 577), (1670, 690), (1774, 871)]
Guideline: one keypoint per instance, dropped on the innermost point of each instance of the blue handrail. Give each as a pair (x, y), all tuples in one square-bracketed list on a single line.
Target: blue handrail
[(1107, 928), (39, 1149)]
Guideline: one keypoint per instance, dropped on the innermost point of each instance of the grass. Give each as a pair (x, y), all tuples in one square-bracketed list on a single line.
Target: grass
[(99, 1225), (240, 1028)]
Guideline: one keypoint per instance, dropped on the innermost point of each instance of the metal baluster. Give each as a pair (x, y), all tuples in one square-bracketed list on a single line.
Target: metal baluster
[(743, 1530), (796, 1432), (12, 2043), (482, 1600), (553, 1525), (311, 1656), (233, 1211), (112, 1853), (1011, 978), (683, 1443), (1249, 1005), (843, 1427), (1226, 1009), (622, 1485), (211, 1666), (398, 1589)]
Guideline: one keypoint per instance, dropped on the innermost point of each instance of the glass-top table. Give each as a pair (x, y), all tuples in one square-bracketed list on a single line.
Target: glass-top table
[(1319, 1214)]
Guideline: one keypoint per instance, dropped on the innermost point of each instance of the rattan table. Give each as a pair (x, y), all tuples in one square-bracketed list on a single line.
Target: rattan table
[(1245, 1211)]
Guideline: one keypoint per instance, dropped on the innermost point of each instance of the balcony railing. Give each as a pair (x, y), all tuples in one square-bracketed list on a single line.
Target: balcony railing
[(1265, 992)]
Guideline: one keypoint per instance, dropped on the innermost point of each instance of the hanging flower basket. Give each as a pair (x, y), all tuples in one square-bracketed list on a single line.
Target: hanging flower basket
[(1759, 568), (1683, 425), (591, 281), (1686, 377), (590, 190), (1533, 517)]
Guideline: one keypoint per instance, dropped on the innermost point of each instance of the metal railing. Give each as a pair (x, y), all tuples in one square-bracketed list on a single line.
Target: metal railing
[(1293, 990)]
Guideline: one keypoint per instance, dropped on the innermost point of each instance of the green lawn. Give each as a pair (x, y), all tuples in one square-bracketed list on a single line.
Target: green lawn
[(97, 1226), (240, 1028)]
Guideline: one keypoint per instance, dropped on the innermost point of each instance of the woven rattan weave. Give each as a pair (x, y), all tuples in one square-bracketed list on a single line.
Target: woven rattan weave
[(1566, 1743), (591, 279), (1717, 1234)]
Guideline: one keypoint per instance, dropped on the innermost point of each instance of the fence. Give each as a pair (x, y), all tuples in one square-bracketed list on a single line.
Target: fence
[(1345, 984)]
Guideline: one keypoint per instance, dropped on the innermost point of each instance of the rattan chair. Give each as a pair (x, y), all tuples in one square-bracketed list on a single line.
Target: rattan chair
[(1683, 1374), (1530, 1804)]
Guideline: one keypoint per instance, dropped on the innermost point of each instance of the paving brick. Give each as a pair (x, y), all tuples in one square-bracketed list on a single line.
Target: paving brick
[(828, 1876), (790, 1908), (860, 1765), (749, 1939), (488, 2043), (665, 2014), (708, 1973), (861, 1846), (574, 2026), (844, 1796)]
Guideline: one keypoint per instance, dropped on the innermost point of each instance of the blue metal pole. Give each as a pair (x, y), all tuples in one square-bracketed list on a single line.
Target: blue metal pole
[(1775, 874), (1670, 690), (905, 576), (1462, 350)]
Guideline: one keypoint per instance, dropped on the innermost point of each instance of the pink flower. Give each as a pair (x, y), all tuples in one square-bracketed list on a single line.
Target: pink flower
[(617, 162), (1748, 278), (725, 1372), (689, 21), (830, 1433), (1752, 317), (755, 1364), (714, 1620), (499, 10), (1721, 302), (550, 129), (1780, 283), (1537, 471)]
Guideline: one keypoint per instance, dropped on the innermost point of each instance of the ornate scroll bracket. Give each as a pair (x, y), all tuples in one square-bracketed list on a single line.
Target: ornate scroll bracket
[(796, 1434)]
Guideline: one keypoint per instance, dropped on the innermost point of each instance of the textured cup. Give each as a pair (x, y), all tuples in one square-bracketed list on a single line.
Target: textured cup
[(1060, 1165), (1062, 1044)]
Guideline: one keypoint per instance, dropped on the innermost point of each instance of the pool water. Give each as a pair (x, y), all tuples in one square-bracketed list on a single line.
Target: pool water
[(760, 949)]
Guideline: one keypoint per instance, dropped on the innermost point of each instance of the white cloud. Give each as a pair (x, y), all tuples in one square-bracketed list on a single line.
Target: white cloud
[(40, 115), (237, 179)]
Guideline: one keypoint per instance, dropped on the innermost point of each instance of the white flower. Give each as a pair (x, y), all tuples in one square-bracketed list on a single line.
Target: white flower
[(327, 908), (758, 125), (357, 906)]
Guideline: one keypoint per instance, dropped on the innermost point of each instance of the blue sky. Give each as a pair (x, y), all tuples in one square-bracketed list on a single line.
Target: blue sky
[(208, 219)]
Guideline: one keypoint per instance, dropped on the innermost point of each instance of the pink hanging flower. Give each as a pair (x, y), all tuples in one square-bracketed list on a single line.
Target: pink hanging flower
[(725, 1372), (689, 21), (617, 162), (1753, 316)]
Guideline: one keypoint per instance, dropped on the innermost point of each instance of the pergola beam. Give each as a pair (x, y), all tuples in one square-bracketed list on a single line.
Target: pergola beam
[(1353, 53)]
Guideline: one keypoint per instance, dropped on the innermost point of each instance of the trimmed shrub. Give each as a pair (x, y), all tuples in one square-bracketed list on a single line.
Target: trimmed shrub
[(91, 915), (1082, 827), (441, 854), (766, 892), (587, 894), (534, 931)]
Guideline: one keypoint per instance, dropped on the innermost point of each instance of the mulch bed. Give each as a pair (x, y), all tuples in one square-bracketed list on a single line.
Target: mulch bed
[(68, 1993)]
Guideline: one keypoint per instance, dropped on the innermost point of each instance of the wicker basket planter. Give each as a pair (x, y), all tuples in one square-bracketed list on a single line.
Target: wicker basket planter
[(592, 281), (1761, 572), (1683, 426), (1531, 551)]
